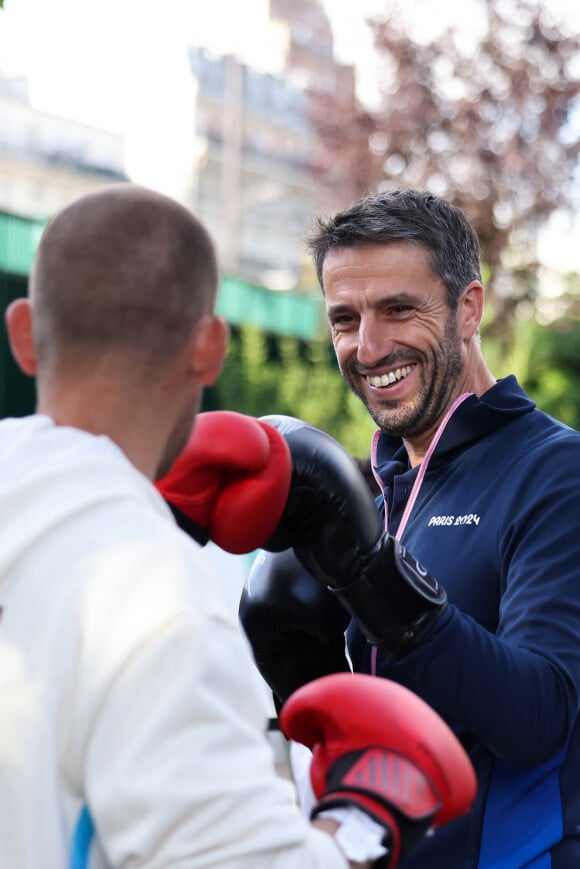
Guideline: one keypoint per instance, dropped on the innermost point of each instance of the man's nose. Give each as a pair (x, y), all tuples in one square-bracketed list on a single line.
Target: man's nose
[(375, 341)]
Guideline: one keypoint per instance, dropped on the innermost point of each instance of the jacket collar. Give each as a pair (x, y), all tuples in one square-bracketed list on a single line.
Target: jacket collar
[(475, 417)]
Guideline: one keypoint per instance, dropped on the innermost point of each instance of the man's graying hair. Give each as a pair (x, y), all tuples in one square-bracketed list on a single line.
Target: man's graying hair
[(413, 216)]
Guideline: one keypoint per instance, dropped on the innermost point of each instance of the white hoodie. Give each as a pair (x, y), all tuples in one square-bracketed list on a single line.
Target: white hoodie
[(132, 716)]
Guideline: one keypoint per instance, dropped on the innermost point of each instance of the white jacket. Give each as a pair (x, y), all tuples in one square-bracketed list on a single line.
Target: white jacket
[(132, 716)]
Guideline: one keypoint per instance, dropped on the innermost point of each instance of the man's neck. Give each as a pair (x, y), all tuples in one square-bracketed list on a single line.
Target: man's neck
[(477, 383), (134, 426)]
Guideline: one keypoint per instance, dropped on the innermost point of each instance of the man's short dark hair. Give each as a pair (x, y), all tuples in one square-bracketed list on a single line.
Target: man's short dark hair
[(413, 216)]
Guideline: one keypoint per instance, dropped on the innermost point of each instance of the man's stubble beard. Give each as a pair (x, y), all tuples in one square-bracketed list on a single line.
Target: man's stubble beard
[(434, 396)]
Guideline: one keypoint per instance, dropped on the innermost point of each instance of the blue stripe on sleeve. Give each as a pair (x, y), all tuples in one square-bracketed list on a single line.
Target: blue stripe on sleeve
[(523, 816), (82, 839)]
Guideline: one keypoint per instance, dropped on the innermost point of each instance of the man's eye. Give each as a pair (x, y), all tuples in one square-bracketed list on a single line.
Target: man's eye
[(343, 320), (401, 309)]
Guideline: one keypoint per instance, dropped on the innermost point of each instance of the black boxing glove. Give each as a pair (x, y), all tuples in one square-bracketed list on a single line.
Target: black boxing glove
[(294, 624), (332, 522)]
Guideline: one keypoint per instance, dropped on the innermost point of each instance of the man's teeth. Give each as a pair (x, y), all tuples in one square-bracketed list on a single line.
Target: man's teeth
[(391, 377)]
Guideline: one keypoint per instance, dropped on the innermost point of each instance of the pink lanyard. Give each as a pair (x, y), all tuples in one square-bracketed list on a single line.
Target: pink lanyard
[(415, 490)]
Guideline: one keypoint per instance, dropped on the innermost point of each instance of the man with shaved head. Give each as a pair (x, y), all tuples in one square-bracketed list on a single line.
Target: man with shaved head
[(132, 724), (119, 327)]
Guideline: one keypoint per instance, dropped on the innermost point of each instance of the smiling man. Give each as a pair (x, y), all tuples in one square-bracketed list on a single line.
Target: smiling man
[(466, 590), (482, 488), (405, 346)]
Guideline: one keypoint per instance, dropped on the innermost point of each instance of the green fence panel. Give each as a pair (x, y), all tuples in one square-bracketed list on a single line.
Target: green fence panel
[(19, 237), (279, 312), (17, 390)]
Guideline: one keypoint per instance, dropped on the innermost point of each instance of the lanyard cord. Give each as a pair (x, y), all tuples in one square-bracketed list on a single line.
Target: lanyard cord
[(415, 490)]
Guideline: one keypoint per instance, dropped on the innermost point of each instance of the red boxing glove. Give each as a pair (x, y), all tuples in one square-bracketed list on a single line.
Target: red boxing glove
[(232, 479), (379, 747)]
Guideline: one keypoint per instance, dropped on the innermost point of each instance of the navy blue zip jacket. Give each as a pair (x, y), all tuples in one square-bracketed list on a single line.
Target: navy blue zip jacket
[(497, 522)]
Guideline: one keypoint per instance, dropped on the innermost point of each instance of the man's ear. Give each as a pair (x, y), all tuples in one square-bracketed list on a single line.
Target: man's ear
[(18, 319), (209, 350), (470, 309)]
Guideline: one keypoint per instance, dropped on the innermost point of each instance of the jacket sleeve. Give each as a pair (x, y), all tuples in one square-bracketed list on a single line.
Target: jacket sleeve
[(517, 689), (167, 735)]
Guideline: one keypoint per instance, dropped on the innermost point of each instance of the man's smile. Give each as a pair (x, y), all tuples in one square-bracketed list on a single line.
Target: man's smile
[(389, 377)]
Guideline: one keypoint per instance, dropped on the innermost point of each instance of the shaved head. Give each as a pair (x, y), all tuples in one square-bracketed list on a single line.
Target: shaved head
[(126, 271)]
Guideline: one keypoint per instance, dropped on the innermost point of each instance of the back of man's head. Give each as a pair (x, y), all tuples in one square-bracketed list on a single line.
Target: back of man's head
[(124, 271)]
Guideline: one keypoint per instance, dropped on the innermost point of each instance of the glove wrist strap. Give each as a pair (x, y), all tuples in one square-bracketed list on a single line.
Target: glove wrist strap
[(394, 599)]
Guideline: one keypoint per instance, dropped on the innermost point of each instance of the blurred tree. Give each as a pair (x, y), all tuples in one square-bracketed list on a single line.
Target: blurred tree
[(487, 128)]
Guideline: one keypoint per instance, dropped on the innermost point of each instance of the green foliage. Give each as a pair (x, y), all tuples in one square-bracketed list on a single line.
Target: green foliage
[(545, 360), (553, 372), (507, 354), (266, 374)]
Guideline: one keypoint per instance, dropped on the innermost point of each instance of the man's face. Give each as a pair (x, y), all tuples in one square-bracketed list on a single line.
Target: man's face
[(394, 335)]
